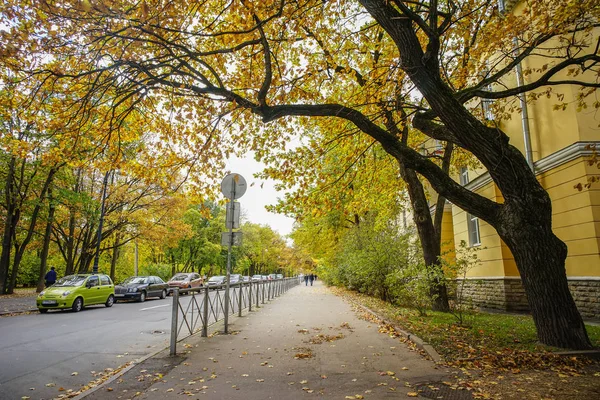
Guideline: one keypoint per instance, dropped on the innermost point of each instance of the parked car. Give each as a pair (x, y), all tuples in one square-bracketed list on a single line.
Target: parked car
[(141, 287), (184, 280), (245, 278), (77, 291), (257, 278), (235, 279), (272, 277), (279, 276), (217, 280)]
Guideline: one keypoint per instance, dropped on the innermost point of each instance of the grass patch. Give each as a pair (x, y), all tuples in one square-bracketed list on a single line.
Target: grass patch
[(484, 334)]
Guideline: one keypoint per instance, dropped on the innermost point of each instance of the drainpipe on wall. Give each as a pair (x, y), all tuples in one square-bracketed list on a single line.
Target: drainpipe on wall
[(524, 114)]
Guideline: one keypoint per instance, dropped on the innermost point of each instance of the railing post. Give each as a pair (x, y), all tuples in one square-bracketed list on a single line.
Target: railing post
[(257, 293), (250, 296), (263, 291), (174, 313), (240, 299), (205, 324)]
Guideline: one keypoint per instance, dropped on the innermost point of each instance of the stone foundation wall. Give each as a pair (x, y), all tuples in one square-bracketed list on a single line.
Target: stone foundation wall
[(509, 295), (587, 297)]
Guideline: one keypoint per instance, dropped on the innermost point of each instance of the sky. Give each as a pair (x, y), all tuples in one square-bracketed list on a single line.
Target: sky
[(255, 199)]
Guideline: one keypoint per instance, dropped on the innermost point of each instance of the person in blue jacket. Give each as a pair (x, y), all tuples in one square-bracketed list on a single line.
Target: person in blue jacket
[(50, 277)]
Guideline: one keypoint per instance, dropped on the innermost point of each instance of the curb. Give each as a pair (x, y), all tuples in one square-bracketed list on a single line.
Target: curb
[(420, 343), (17, 311), (118, 375)]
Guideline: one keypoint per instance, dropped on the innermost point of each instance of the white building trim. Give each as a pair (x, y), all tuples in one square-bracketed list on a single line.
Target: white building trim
[(562, 156)]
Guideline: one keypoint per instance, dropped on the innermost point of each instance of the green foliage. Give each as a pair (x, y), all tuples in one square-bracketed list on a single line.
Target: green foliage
[(202, 251), (371, 258), (466, 259), (410, 287), (161, 270), (29, 270)]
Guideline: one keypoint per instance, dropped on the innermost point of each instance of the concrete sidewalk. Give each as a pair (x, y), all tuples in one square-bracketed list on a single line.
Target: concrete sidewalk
[(20, 304), (306, 343)]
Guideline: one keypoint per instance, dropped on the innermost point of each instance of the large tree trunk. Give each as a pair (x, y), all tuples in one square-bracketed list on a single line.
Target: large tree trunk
[(115, 256), (541, 266), (46, 244), (9, 227), (430, 242), (70, 244), (524, 221)]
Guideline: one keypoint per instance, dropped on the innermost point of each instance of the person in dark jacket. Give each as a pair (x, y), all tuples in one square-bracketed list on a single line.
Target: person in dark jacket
[(50, 277), (305, 280), (311, 278)]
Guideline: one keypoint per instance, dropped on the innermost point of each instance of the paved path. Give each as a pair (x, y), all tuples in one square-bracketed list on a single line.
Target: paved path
[(9, 305), (307, 342)]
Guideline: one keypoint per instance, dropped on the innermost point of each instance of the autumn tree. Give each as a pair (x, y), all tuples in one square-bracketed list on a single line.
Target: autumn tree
[(346, 172), (218, 65), (200, 250), (264, 250), (29, 166)]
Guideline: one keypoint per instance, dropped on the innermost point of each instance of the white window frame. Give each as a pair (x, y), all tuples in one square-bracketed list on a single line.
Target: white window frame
[(473, 230), (486, 105), (464, 175), (501, 6)]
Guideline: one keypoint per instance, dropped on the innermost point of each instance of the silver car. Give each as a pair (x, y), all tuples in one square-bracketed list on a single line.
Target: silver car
[(217, 280)]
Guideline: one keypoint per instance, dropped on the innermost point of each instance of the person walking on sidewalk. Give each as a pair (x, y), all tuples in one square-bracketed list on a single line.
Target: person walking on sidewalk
[(50, 277), (311, 278), (305, 280)]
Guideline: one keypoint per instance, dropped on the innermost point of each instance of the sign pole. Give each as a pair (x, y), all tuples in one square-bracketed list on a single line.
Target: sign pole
[(233, 186), (230, 205)]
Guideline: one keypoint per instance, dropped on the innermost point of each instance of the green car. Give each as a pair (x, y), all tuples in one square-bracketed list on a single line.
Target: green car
[(77, 291)]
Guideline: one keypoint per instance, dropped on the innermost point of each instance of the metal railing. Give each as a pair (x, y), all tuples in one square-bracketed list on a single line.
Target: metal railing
[(205, 305)]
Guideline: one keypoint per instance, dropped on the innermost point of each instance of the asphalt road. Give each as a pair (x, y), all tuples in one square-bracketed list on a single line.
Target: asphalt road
[(44, 353)]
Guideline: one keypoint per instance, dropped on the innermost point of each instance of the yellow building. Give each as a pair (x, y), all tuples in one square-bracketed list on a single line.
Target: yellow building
[(560, 144)]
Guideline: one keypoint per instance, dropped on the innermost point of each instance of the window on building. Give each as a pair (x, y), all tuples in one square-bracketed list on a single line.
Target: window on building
[(501, 6), (473, 228), (464, 176), (487, 105), (438, 148)]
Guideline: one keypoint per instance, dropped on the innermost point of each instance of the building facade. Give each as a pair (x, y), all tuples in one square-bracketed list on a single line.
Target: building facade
[(559, 141)]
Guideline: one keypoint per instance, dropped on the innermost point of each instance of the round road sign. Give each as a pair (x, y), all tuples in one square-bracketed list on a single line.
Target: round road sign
[(233, 186)]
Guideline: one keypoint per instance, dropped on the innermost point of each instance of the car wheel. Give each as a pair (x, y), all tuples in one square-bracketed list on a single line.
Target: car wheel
[(163, 294), (43, 310), (142, 297), (77, 304), (110, 301)]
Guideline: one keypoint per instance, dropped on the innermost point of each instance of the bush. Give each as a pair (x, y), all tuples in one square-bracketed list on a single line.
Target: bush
[(161, 270), (410, 287)]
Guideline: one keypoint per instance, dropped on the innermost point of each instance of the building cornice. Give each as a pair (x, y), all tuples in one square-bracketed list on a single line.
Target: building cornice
[(558, 158)]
